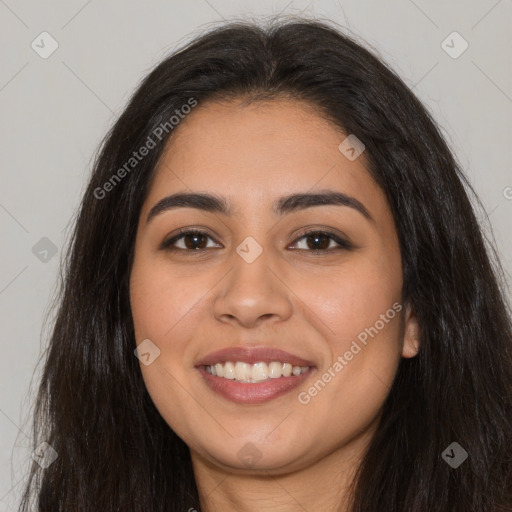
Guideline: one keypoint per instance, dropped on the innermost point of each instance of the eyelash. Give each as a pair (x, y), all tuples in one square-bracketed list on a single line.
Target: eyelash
[(342, 244)]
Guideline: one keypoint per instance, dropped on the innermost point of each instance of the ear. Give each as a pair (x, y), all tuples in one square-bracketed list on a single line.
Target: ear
[(412, 334)]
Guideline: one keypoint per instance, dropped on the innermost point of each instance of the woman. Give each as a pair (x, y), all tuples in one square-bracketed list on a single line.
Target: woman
[(277, 297)]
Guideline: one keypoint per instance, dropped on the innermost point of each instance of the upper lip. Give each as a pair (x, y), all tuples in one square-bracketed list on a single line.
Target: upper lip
[(252, 355)]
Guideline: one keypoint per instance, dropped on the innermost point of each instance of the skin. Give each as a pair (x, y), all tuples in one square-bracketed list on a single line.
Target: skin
[(193, 303)]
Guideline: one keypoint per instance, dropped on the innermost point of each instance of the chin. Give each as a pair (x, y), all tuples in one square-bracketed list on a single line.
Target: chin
[(246, 455)]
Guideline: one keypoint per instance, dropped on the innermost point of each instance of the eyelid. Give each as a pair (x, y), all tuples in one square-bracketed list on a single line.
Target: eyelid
[(341, 240), (167, 242)]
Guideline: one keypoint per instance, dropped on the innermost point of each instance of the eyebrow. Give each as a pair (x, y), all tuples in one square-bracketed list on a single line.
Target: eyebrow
[(287, 204)]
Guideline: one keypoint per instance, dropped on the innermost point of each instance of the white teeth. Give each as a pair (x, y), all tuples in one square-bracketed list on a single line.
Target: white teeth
[(242, 371), (258, 372), (296, 370), (274, 370), (219, 369), (229, 371), (287, 369)]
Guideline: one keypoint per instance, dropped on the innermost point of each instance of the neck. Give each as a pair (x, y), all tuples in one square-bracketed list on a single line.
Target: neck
[(321, 485)]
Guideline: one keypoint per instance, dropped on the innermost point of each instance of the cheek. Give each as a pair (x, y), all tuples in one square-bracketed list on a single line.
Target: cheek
[(166, 312), (163, 301), (348, 303), (359, 312)]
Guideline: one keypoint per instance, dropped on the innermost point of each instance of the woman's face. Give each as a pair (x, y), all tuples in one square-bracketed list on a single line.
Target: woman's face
[(254, 280)]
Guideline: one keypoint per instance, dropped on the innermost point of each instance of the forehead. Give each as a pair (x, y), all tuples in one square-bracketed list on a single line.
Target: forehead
[(254, 154)]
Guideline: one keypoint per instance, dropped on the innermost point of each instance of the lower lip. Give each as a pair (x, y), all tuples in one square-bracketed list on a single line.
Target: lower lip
[(252, 392)]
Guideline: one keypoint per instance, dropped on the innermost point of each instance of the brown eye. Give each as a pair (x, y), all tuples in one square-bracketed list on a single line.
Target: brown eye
[(315, 242), (323, 241), (190, 240)]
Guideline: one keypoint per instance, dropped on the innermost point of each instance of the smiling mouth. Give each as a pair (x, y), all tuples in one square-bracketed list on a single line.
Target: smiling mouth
[(256, 383), (254, 373)]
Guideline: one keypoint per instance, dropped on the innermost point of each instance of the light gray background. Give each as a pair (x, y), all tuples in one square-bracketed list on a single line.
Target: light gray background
[(55, 111)]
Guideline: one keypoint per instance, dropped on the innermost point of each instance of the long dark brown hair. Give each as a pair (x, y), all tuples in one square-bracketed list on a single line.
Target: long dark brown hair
[(115, 451)]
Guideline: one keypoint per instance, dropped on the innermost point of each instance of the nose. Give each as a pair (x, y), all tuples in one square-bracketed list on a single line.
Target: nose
[(253, 293)]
